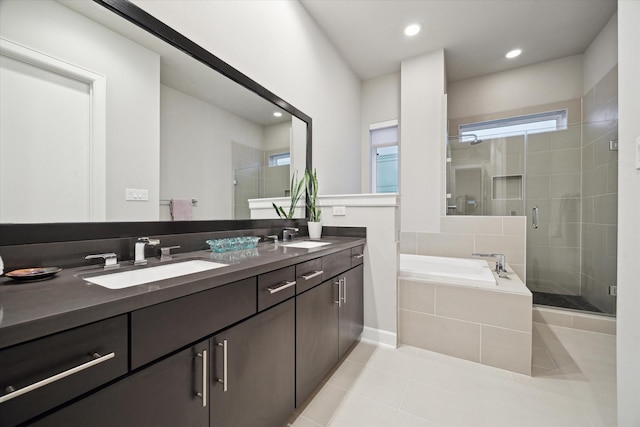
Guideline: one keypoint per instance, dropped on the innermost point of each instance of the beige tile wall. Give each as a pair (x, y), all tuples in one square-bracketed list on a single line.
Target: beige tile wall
[(600, 193), (461, 236), (576, 320), (485, 326)]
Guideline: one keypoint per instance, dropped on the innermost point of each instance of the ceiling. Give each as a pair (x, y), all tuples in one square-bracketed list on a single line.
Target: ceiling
[(475, 34)]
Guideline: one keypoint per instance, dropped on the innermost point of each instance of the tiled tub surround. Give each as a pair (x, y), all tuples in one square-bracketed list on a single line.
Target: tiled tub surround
[(488, 325), (460, 236)]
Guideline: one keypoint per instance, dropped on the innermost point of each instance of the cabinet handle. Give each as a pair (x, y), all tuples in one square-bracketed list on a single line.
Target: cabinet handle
[(203, 395), (359, 256), (223, 380), (339, 283), (281, 287), (534, 216), (312, 275), (344, 292), (97, 359)]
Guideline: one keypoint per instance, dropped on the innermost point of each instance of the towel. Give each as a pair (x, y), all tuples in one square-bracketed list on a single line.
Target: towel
[(181, 209)]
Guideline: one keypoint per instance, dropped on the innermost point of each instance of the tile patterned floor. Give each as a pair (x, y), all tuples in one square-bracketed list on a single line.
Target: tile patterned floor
[(573, 384)]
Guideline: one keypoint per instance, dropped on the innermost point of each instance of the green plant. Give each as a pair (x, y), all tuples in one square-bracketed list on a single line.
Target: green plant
[(311, 182), (295, 191)]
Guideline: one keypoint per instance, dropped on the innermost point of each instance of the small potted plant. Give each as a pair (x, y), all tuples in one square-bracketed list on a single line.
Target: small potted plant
[(295, 192), (314, 224)]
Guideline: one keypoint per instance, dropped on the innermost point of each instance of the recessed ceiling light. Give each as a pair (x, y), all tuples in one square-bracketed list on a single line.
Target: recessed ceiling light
[(412, 29), (513, 53), (277, 114)]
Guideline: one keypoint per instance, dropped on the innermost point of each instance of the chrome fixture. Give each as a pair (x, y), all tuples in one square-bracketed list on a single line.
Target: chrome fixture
[(501, 269), (139, 249), (288, 233), (534, 216), (110, 259), (273, 237), (466, 137), (165, 253)]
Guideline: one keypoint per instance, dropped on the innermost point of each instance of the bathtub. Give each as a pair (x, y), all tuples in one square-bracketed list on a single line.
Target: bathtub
[(452, 271)]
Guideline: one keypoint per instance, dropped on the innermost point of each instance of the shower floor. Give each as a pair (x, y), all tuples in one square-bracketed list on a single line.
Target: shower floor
[(575, 302)]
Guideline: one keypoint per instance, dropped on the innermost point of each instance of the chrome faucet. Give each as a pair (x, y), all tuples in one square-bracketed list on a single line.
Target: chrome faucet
[(501, 266), (139, 249), (288, 233), (110, 259)]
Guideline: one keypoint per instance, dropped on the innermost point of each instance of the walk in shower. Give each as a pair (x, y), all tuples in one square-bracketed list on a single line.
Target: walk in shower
[(564, 180)]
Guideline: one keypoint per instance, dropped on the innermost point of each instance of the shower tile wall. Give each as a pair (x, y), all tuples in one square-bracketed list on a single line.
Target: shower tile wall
[(553, 185), (474, 169), (600, 192), (246, 167)]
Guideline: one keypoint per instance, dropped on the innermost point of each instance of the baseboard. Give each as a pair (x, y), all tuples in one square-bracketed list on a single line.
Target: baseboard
[(379, 336)]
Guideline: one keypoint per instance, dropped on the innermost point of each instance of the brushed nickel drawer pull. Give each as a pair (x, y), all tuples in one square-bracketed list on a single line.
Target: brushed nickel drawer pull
[(203, 395), (97, 359), (312, 275), (223, 380), (339, 283), (359, 256), (281, 287)]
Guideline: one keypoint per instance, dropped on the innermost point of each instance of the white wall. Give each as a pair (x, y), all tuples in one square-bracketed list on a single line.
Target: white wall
[(422, 141), (628, 207), (536, 84), (196, 153), (599, 57), (276, 137), (277, 44), (380, 103), (132, 126)]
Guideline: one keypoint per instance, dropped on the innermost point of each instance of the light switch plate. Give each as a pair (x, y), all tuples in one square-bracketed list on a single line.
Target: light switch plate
[(137, 194), (339, 210)]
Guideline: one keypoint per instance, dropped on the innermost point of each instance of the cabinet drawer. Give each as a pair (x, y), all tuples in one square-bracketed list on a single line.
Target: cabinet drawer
[(308, 275), (162, 328), (60, 367), (276, 286), (357, 255), (337, 263)]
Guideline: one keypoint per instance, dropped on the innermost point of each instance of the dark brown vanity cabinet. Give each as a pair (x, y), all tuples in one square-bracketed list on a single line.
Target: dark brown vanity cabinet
[(41, 374), (316, 337), (329, 320), (351, 318), (253, 370), (171, 392)]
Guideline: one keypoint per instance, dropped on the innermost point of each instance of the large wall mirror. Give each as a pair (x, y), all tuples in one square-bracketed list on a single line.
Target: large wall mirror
[(108, 114)]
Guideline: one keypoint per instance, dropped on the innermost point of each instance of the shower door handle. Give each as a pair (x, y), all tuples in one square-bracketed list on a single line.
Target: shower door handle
[(534, 217)]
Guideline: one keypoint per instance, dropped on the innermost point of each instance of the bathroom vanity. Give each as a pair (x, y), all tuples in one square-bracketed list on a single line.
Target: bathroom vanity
[(240, 345)]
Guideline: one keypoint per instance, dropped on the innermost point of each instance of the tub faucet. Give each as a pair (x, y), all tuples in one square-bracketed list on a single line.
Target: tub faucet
[(501, 266), (288, 233), (139, 249)]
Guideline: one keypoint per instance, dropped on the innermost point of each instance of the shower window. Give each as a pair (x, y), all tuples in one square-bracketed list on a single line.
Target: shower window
[(384, 157), (511, 126)]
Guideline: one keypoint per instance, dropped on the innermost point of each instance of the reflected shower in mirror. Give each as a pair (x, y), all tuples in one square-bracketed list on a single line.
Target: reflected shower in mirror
[(165, 126)]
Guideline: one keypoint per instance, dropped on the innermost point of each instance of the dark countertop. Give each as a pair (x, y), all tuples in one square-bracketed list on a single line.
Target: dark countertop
[(30, 310)]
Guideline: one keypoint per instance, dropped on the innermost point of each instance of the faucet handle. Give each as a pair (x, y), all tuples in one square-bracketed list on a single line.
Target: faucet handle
[(165, 253), (110, 259), (148, 241), (274, 237)]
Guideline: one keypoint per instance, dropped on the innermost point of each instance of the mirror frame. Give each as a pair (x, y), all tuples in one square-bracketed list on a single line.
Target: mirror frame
[(18, 234)]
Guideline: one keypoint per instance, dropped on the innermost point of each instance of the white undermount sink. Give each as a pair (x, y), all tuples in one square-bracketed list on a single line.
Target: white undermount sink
[(141, 276), (307, 244)]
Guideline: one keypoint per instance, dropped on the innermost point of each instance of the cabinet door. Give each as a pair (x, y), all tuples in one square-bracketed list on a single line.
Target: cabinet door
[(254, 384), (316, 336), (169, 393), (351, 309)]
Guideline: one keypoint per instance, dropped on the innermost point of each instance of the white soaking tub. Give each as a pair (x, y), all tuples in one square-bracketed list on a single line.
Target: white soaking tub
[(453, 271)]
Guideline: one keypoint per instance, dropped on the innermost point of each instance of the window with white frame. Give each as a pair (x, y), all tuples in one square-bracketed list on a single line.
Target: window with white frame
[(280, 159), (384, 157), (510, 126)]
